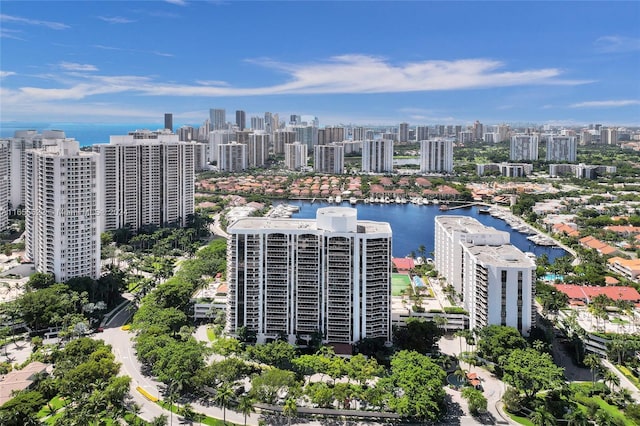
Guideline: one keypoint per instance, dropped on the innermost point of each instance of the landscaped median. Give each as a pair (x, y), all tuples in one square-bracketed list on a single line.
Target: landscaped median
[(147, 394)]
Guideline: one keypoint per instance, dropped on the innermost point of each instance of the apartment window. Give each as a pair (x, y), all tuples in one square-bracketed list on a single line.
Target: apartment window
[(503, 306)]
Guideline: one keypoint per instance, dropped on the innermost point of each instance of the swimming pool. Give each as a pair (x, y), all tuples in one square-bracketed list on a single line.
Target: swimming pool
[(553, 277)]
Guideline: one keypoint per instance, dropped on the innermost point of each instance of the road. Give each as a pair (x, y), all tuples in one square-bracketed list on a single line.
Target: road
[(122, 347)]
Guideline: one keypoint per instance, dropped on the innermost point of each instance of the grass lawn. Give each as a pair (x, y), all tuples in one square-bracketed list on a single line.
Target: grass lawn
[(520, 420), (399, 282), (612, 411), (629, 375), (56, 402), (210, 334)]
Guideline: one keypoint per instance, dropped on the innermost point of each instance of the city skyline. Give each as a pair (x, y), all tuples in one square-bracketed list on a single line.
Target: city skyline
[(372, 63)]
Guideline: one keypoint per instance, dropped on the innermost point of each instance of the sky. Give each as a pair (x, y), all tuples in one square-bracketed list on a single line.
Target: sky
[(565, 63)]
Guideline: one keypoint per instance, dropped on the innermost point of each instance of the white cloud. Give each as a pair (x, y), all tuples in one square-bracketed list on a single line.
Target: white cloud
[(177, 2), (606, 104), (4, 74), (348, 74), (617, 44), (122, 49), (116, 19), (72, 66), (7, 33), (20, 20)]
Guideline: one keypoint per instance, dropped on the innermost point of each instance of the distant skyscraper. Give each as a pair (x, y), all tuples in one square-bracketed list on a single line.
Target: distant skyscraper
[(186, 134), (403, 133), (585, 137), (422, 133), (524, 148), (148, 180), (358, 133), (608, 136), (377, 156), (561, 148), (436, 156), (218, 119), (465, 136), (62, 192), (330, 134), (328, 159), (295, 156), (18, 145), (217, 138), (291, 277), (257, 123), (168, 121), (241, 119), (295, 120), (478, 130)]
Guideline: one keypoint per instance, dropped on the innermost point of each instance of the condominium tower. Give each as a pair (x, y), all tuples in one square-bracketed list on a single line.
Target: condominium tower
[(377, 155), (218, 119), (495, 279), (328, 158), (232, 157), (524, 148), (62, 191), (148, 180), (436, 156), (562, 148), (294, 277), (295, 156)]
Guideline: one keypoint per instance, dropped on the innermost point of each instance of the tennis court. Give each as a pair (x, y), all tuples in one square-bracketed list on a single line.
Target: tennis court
[(399, 282)]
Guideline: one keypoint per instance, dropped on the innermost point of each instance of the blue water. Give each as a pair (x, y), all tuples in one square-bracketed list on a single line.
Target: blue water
[(553, 277), (85, 133), (413, 225)]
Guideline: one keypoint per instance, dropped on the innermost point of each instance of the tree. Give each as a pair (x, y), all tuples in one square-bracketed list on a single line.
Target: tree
[(245, 406), (530, 371), (476, 400), (290, 409), (271, 382), (223, 397), (611, 379), (418, 335), (415, 385), (40, 280), (497, 341), (594, 363), (577, 417), (20, 409), (362, 369), (542, 417)]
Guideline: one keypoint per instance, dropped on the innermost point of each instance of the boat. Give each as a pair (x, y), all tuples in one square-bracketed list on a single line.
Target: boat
[(353, 200), (444, 207), (338, 199), (484, 210), (330, 200)]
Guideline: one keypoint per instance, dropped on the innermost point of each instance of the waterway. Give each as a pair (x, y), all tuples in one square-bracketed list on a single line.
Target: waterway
[(413, 225)]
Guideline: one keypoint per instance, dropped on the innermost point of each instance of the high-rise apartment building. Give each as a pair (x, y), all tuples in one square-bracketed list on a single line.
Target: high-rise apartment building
[(257, 149), (295, 156), (436, 156), (168, 121), (608, 136), (524, 148), (358, 133), (186, 134), (330, 134), (301, 276), (465, 137), (495, 279), (377, 156), (218, 119), (422, 133), (561, 148), (281, 138), (62, 191), (232, 157), (328, 159), (217, 138), (148, 179), (4, 183), (241, 119), (585, 137), (269, 123), (403, 133), (21, 141), (307, 135)]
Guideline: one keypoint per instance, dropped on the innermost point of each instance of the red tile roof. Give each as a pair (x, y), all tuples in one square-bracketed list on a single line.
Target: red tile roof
[(583, 292), (403, 263)]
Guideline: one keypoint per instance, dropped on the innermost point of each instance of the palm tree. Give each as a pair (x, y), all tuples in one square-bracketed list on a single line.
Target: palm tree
[(594, 363), (577, 418), (245, 406), (542, 417), (461, 375), (611, 379), (290, 409), (223, 398)]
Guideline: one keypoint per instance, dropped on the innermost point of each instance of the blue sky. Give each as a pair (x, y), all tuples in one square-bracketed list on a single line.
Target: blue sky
[(345, 62)]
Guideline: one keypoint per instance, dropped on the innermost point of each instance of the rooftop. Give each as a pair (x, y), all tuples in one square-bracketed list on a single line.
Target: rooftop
[(502, 255)]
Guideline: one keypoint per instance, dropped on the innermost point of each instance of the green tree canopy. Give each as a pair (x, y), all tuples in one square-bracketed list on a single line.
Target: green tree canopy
[(530, 371)]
